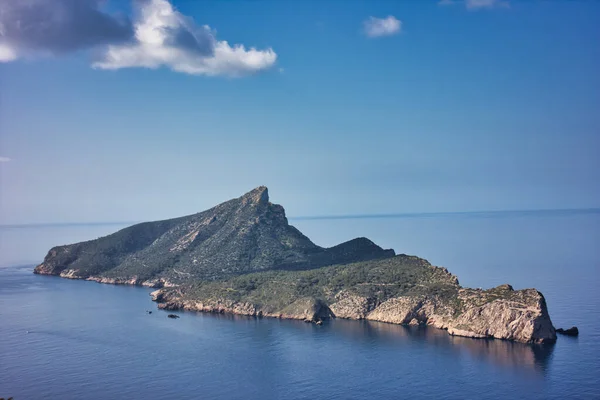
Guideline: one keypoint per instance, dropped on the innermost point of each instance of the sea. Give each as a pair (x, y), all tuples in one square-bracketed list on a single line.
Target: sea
[(67, 339)]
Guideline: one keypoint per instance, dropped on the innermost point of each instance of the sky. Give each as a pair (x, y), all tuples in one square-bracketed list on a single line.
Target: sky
[(120, 110)]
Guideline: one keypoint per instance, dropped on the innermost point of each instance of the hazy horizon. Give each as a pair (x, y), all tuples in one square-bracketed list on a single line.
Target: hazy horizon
[(478, 213)]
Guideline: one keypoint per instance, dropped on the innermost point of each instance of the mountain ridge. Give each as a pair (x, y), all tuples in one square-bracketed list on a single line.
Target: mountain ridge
[(241, 235)]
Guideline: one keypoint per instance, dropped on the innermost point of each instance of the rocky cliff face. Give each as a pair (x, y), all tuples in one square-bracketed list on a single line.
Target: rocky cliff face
[(421, 294), (242, 235), (522, 321), (242, 257), (516, 315)]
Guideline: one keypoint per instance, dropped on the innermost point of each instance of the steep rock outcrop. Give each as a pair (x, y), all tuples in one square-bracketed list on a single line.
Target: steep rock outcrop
[(520, 315)]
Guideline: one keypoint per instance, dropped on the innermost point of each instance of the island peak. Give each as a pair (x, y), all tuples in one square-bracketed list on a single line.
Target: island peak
[(258, 195)]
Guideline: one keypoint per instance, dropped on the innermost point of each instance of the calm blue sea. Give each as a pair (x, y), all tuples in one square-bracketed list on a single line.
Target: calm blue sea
[(62, 339)]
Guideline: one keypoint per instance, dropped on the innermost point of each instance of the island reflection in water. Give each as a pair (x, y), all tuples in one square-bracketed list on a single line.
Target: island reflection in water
[(526, 358), (500, 352)]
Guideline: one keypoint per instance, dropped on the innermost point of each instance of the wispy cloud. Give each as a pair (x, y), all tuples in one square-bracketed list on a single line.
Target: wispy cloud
[(477, 4), (158, 36), (4, 159), (377, 27)]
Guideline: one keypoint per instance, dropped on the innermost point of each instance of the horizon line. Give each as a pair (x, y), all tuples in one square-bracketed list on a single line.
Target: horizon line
[(522, 212), (590, 210)]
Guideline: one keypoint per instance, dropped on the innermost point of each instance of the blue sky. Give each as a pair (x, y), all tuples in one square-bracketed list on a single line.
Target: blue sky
[(484, 105)]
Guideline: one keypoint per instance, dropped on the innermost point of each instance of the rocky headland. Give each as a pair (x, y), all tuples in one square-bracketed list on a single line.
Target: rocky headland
[(242, 257)]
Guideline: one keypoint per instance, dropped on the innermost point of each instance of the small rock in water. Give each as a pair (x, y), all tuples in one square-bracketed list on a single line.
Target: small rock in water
[(173, 316), (573, 331)]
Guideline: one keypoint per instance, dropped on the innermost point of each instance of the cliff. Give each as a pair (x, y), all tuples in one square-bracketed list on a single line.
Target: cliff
[(243, 257), (399, 290)]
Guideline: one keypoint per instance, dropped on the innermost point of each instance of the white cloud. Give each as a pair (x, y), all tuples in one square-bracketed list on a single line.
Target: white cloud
[(4, 159), (166, 38), (157, 36), (377, 27), (477, 4)]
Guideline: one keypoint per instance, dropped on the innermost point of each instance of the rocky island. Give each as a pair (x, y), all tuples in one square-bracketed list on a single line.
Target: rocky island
[(243, 257)]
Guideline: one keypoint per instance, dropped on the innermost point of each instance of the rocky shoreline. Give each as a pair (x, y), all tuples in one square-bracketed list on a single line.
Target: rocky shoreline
[(522, 317), (133, 281)]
